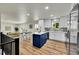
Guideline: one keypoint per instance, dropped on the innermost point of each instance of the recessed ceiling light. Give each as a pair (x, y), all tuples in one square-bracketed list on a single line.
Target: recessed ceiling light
[(28, 14), (55, 20), (51, 15), (54, 17), (68, 22), (36, 18), (46, 7)]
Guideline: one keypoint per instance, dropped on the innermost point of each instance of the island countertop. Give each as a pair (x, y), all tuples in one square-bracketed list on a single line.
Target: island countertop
[(11, 36), (39, 33), (13, 40)]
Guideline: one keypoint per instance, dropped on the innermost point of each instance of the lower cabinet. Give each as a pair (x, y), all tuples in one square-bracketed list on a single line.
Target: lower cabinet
[(9, 45), (39, 40), (51, 35), (78, 42), (60, 36)]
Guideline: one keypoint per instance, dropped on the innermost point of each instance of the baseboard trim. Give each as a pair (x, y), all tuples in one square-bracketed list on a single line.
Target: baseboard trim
[(62, 41)]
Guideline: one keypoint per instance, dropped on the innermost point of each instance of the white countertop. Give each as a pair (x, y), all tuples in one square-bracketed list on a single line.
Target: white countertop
[(55, 31), (14, 37), (39, 33)]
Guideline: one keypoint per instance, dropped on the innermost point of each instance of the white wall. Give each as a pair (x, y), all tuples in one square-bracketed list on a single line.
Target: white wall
[(7, 20), (74, 27), (25, 27), (62, 22), (7, 24)]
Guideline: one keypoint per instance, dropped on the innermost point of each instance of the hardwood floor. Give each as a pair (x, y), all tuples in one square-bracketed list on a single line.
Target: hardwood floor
[(50, 48)]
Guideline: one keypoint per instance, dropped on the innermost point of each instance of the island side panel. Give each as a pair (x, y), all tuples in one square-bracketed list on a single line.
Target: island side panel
[(17, 46)]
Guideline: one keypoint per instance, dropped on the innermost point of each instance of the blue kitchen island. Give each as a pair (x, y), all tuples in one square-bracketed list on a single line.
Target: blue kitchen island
[(39, 39)]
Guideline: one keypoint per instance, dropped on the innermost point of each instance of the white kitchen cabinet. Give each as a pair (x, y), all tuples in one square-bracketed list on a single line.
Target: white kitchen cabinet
[(47, 23), (63, 22), (74, 23), (60, 36), (73, 37), (51, 35)]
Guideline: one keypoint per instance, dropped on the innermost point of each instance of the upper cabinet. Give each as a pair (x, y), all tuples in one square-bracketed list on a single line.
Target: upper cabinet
[(74, 22), (47, 23), (74, 18), (63, 22)]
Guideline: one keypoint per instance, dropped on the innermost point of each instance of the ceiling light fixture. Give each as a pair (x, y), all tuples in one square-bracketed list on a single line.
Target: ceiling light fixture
[(54, 17), (51, 15), (36, 18), (28, 14), (55, 20), (46, 7)]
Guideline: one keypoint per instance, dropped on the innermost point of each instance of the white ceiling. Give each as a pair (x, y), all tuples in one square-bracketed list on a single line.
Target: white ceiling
[(18, 12)]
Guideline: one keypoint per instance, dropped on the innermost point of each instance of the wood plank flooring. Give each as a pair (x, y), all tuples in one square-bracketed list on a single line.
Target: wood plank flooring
[(50, 48)]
